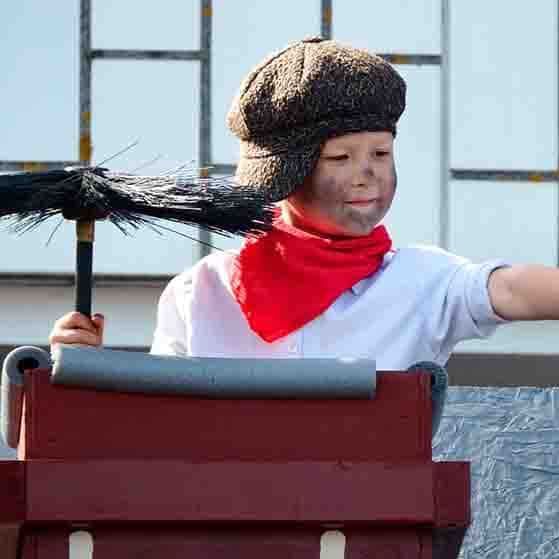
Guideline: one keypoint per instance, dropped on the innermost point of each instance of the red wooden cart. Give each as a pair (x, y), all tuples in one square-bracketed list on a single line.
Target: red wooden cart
[(110, 475)]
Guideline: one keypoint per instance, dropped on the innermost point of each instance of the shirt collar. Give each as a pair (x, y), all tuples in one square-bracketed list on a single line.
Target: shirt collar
[(359, 287)]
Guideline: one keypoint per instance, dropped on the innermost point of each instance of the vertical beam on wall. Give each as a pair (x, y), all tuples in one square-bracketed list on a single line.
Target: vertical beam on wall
[(326, 19), (85, 148), (557, 116), (205, 140), (445, 136)]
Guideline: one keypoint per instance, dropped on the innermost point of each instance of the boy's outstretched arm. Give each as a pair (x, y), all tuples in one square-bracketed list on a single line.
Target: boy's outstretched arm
[(525, 292)]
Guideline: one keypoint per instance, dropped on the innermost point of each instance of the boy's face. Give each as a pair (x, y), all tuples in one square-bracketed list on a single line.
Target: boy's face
[(350, 190)]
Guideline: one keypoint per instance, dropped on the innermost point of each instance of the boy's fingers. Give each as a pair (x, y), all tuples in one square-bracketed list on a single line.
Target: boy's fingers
[(99, 323), (75, 337), (74, 320), (77, 328)]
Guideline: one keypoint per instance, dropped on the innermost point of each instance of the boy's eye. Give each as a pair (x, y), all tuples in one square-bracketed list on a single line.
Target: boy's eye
[(382, 153), (336, 157)]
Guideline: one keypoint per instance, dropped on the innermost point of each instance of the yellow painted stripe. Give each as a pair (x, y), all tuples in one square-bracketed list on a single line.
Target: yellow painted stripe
[(327, 15), (535, 177), (85, 148), (207, 11), (33, 166), (399, 59)]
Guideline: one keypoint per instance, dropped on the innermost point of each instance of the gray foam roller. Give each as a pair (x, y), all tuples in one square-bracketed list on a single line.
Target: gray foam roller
[(11, 390), (439, 386), (128, 371)]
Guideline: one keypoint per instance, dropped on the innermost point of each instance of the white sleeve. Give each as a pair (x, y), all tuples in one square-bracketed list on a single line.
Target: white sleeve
[(464, 310), (171, 332)]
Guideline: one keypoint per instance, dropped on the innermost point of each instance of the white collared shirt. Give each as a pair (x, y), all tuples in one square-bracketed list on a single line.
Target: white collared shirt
[(416, 307)]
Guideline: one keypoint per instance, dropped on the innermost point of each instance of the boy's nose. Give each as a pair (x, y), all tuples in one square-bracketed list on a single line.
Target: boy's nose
[(363, 174)]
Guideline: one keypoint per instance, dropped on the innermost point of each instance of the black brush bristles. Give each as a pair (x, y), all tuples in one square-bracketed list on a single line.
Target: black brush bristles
[(27, 199)]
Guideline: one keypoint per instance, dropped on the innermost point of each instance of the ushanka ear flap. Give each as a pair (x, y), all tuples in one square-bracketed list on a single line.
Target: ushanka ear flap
[(88, 194)]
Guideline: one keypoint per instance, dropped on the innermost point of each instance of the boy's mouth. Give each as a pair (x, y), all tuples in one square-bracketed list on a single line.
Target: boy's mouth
[(363, 202)]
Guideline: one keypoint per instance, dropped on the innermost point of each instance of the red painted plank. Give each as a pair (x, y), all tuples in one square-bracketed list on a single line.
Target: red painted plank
[(173, 491), (45, 543), (12, 492), (426, 544), (398, 543), (168, 542), (292, 543), (9, 537), (12, 506), (387, 543), (153, 542), (394, 426), (452, 493)]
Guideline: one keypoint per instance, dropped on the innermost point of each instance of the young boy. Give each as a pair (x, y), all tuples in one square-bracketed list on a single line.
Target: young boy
[(317, 122)]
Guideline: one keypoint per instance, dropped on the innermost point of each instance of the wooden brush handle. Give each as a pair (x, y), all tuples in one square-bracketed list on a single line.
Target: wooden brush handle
[(84, 265)]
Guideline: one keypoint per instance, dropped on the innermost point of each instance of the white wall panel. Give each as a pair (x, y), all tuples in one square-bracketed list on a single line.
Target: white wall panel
[(504, 84), (28, 313), (510, 220), (402, 26), (414, 217), (30, 252), (145, 252), (155, 102), (518, 337), (244, 32), (129, 24), (225, 243), (39, 80)]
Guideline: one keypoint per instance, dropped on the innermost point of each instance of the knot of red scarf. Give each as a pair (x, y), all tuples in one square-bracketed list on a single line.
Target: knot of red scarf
[(286, 277)]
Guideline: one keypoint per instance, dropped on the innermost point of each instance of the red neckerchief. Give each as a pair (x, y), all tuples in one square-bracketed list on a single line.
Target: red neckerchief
[(286, 277)]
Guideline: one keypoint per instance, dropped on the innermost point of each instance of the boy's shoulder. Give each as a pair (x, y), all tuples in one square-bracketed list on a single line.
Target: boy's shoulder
[(425, 258), (216, 264), (427, 251)]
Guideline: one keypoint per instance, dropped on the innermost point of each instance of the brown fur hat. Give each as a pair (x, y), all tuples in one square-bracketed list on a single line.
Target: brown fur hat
[(299, 97)]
